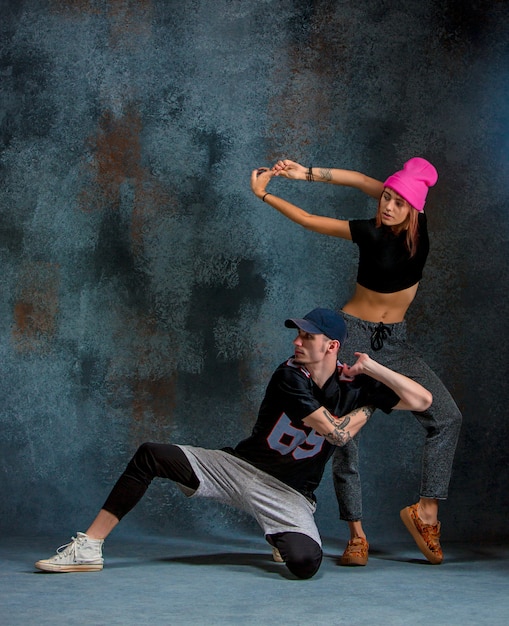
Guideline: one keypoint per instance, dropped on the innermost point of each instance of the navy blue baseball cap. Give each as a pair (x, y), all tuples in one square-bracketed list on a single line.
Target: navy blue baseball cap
[(321, 322)]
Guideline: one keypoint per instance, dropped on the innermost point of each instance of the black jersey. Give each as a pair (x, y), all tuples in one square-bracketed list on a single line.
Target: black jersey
[(281, 445), (384, 261)]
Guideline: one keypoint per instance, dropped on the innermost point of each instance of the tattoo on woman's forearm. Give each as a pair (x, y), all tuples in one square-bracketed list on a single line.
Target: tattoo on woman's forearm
[(325, 173)]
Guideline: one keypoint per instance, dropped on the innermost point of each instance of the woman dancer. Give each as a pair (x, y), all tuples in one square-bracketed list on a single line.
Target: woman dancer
[(393, 247)]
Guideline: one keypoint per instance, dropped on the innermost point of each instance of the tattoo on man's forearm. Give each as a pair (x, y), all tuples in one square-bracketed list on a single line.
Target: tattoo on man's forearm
[(368, 411), (325, 173), (341, 422), (339, 436)]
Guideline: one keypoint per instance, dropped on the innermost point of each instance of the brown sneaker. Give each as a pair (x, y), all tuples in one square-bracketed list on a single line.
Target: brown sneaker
[(356, 552), (426, 536)]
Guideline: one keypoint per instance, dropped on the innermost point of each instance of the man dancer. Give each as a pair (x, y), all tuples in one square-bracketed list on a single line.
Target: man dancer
[(311, 404)]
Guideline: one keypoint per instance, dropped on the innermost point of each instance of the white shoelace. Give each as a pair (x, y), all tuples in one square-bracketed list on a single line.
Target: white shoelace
[(67, 549)]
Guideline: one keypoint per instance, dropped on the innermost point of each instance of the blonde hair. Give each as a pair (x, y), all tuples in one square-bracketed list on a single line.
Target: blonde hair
[(410, 224)]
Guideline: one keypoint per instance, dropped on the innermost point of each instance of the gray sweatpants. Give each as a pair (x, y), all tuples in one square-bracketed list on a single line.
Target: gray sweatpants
[(442, 421), (275, 506)]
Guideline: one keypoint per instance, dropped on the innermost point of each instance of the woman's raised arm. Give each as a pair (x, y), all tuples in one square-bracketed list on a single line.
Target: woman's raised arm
[(261, 177), (335, 176)]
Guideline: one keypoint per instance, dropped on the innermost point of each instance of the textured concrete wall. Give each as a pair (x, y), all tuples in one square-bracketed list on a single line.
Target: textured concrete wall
[(144, 287)]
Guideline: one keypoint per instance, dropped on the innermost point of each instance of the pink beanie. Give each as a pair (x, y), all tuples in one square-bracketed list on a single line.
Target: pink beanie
[(413, 180)]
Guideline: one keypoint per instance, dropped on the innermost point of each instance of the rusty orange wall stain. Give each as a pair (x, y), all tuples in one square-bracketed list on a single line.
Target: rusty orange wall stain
[(145, 377), (304, 110), (76, 7), (116, 145), (36, 307), (152, 200), (130, 21), (153, 407), (116, 152), (128, 12)]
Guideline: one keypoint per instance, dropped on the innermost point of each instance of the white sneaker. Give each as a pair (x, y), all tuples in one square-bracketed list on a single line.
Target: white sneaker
[(82, 554)]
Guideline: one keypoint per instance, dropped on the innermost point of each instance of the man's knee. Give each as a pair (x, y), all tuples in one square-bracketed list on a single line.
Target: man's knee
[(443, 418), (302, 554), (305, 566), (152, 455)]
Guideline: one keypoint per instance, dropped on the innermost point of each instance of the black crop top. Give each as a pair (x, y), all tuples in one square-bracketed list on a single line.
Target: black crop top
[(384, 262)]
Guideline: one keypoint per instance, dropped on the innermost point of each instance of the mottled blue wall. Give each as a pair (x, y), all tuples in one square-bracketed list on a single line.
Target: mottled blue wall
[(143, 285)]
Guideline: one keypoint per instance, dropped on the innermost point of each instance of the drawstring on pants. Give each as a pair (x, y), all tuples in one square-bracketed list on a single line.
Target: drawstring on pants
[(378, 336)]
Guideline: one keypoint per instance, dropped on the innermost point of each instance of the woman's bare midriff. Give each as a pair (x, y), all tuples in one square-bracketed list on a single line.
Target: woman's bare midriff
[(373, 306)]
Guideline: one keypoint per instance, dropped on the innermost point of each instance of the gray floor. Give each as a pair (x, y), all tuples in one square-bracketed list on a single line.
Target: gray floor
[(157, 580)]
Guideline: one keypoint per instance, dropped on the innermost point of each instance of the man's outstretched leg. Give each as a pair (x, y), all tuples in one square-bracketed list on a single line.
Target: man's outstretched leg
[(84, 552)]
